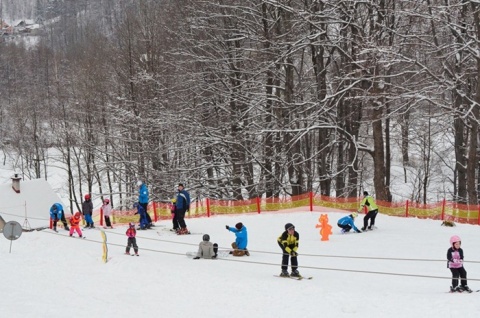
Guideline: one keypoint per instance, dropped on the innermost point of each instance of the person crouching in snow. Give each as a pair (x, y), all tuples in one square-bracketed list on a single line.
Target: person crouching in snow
[(206, 249), (347, 223), (288, 242), (455, 263), (132, 241), (75, 224), (241, 240)]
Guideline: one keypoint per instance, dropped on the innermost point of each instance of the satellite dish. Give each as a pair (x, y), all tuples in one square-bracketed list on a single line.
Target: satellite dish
[(12, 230)]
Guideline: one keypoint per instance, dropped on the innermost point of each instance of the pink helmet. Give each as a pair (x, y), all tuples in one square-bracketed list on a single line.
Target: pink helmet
[(454, 239)]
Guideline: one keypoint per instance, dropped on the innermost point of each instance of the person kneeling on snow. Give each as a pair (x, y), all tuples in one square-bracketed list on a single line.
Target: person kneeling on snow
[(347, 223), (206, 249), (241, 241)]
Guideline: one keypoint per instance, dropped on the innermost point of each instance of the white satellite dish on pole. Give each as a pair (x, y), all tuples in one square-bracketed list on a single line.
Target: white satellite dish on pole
[(12, 231)]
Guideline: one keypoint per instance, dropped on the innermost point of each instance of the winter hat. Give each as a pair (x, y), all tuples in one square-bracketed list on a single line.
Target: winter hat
[(289, 226), (139, 183), (206, 237), (131, 224), (455, 239), (87, 196), (365, 193), (239, 226), (354, 214)]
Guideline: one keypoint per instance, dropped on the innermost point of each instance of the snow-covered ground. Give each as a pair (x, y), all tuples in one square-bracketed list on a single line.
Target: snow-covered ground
[(398, 270)]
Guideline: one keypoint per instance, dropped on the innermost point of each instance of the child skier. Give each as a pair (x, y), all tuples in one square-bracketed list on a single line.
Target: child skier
[(173, 209), (132, 241), (87, 209), (347, 223), (75, 224), (206, 249), (455, 263), (143, 216), (107, 211), (288, 242), (241, 240)]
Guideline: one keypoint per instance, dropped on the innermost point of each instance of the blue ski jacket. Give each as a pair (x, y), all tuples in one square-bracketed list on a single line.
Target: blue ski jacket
[(241, 237), (348, 220), (183, 200), (143, 194), (56, 211)]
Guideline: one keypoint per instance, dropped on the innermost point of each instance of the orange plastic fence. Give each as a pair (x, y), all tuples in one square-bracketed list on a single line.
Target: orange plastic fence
[(207, 207)]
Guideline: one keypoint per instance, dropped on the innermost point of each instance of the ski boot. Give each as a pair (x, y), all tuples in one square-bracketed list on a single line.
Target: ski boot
[(370, 227), (247, 252), (459, 289), (295, 273), (467, 289), (284, 273), (363, 229)]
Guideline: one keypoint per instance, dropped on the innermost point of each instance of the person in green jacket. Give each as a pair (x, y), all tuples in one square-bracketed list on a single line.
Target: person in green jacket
[(372, 211)]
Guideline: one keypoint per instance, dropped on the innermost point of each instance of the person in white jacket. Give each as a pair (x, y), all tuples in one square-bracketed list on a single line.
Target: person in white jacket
[(107, 211), (206, 249)]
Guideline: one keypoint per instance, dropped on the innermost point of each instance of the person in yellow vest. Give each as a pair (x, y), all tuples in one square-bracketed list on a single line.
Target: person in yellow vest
[(372, 211)]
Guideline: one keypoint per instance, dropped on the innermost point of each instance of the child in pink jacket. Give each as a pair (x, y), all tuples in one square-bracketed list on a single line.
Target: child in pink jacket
[(132, 241)]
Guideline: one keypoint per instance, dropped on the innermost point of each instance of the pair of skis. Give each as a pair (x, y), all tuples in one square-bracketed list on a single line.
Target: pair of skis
[(295, 278)]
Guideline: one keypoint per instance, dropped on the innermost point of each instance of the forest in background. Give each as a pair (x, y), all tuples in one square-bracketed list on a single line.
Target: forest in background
[(240, 99)]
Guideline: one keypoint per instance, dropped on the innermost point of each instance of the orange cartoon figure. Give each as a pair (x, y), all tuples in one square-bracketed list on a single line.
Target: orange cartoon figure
[(325, 228)]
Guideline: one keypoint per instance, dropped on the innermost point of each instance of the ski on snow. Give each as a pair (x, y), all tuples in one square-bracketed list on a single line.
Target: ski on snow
[(295, 278)]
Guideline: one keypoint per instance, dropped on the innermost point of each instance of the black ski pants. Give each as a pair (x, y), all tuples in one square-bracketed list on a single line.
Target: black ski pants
[(371, 215), (459, 273), (286, 257)]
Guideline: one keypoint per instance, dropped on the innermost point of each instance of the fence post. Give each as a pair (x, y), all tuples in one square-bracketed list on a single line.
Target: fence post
[(443, 209), (479, 215), (101, 216), (310, 194), (155, 215), (208, 207), (258, 205), (406, 209)]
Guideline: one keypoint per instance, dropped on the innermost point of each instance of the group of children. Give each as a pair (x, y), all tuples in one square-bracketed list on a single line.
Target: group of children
[(287, 241)]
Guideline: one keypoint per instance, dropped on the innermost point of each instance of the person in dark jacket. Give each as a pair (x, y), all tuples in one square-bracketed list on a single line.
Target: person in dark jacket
[(288, 242), (87, 210), (56, 214), (143, 216), (181, 207)]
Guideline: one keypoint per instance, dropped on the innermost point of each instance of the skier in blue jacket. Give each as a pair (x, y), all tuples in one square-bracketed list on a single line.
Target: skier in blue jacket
[(143, 200), (347, 223), (182, 205), (56, 214), (241, 240)]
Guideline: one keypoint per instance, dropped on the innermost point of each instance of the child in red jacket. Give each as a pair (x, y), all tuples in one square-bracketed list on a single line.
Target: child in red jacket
[(75, 224), (132, 241)]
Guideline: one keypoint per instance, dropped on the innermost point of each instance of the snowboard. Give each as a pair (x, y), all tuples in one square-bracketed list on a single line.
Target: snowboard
[(220, 254)]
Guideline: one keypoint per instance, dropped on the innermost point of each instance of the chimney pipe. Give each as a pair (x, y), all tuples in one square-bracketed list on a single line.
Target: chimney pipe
[(16, 183)]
